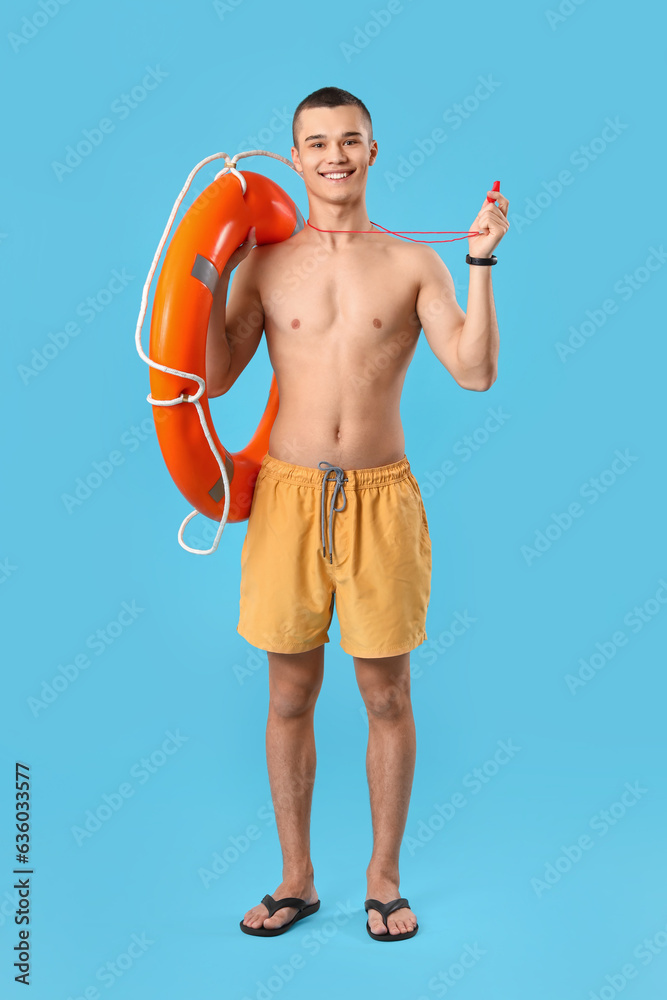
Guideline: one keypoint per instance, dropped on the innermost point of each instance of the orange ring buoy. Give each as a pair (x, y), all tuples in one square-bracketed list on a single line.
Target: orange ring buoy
[(212, 228)]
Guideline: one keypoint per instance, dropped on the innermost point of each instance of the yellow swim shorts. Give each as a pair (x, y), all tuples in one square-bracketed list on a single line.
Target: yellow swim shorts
[(358, 535)]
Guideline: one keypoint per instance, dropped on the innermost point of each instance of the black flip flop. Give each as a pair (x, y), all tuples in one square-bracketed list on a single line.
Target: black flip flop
[(305, 910), (385, 909)]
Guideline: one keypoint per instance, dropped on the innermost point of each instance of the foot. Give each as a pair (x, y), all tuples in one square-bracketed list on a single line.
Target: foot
[(258, 916), (399, 921)]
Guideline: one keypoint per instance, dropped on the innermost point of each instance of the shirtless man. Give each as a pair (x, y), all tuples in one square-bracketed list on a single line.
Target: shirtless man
[(342, 314)]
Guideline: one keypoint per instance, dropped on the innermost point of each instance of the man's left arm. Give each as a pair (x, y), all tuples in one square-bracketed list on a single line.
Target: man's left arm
[(467, 344)]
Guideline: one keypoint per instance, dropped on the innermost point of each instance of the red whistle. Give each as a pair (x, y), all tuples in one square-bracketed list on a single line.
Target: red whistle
[(496, 187)]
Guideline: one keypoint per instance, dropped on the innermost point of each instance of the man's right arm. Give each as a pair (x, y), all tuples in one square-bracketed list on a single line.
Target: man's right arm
[(235, 327)]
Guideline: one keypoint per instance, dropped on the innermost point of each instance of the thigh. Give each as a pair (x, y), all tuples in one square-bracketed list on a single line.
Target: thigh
[(383, 596), (286, 600)]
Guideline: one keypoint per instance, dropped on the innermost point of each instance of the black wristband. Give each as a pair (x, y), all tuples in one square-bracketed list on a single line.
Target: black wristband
[(481, 260)]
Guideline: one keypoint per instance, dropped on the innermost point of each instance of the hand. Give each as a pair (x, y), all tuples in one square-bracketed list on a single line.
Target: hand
[(491, 222), (242, 252)]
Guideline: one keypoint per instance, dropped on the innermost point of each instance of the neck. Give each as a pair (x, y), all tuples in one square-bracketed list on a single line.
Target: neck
[(329, 217)]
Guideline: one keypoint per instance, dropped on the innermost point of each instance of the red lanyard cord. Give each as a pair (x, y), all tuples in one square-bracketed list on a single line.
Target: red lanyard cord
[(399, 232)]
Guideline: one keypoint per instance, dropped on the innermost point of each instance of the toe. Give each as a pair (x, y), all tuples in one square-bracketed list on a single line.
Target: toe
[(282, 916), (402, 924), (376, 923), (255, 916)]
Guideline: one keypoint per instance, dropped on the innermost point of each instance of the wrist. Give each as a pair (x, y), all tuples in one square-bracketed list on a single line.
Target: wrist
[(478, 260)]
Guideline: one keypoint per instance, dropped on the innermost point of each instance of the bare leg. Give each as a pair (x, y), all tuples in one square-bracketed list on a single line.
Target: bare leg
[(384, 683), (295, 680)]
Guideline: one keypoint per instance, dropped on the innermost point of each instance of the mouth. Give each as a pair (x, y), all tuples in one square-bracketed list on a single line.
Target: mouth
[(337, 176)]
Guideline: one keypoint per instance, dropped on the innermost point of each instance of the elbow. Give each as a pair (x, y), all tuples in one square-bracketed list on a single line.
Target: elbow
[(478, 385), (484, 386), (218, 385), (217, 390), (214, 389)]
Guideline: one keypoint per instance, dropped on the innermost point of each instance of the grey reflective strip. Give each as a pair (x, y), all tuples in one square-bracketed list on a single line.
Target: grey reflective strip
[(300, 222), (203, 270), (217, 491), (340, 479)]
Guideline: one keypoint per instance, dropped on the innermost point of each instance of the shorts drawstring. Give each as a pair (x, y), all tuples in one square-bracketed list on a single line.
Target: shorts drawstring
[(340, 479)]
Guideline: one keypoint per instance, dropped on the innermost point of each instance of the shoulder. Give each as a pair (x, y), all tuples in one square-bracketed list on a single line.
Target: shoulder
[(266, 252), (422, 259)]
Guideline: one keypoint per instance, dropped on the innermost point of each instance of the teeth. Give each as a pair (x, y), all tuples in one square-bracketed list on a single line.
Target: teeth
[(336, 176)]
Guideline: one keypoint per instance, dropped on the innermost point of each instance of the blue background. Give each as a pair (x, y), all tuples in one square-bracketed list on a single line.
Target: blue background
[(481, 879)]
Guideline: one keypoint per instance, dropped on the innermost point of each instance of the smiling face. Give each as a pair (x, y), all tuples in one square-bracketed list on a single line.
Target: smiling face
[(334, 151)]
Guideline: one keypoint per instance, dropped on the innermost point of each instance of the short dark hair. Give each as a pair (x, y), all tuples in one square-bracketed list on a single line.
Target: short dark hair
[(330, 97)]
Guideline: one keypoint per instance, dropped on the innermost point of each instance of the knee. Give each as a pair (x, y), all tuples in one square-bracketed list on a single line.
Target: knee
[(292, 700), (386, 701)]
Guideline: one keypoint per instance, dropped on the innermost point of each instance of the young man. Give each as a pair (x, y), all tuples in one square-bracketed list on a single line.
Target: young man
[(342, 314)]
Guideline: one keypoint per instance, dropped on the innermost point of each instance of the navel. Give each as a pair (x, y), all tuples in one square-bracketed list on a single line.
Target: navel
[(377, 323), (296, 324)]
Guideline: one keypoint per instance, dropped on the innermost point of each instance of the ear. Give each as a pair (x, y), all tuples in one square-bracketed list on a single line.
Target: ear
[(296, 160)]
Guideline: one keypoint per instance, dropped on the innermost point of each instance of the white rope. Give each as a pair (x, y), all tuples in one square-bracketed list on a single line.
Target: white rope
[(230, 166)]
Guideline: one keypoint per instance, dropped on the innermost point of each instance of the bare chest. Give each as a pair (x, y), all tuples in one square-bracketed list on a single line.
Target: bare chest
[(351, 301)]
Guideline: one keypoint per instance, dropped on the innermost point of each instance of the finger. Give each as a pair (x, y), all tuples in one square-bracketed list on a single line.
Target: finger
[(491, 212), (497, 212), (501, 203)]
